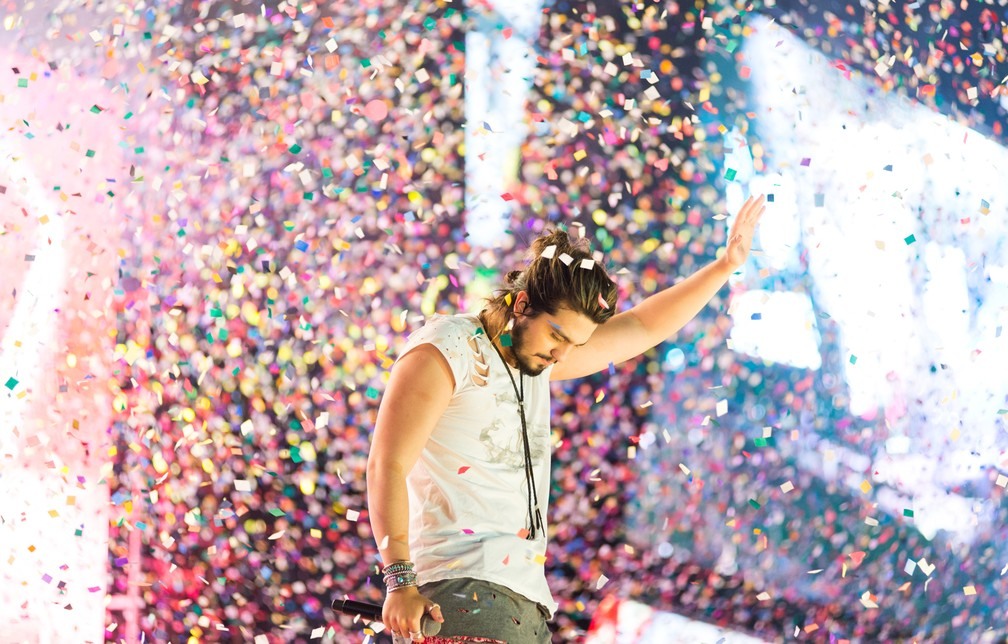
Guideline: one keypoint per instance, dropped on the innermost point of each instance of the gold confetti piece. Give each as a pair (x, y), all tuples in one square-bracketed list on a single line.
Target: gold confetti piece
[(865, 487), (602, 580), (763, 596), (969, 590), (588, 264), (786, 487), (1002, 480), (685, 470), (549, 252)]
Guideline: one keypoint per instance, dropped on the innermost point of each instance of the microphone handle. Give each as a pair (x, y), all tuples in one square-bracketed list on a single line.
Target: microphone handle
[(373, 613)]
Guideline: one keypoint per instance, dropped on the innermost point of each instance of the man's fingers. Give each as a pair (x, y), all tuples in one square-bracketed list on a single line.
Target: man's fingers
[(434, 611)]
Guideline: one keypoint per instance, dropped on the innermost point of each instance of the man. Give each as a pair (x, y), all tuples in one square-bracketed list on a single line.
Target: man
[(458, 473)]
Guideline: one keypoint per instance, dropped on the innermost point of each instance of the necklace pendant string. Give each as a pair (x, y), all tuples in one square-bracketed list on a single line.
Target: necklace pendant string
[(534, 515)]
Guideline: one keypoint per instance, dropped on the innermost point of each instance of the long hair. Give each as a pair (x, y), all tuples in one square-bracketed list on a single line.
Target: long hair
[(559, 273)]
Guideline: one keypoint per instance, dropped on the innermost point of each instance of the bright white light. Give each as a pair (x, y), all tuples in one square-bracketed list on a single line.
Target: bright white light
[(895, 218), (498, 76), (778, 327)]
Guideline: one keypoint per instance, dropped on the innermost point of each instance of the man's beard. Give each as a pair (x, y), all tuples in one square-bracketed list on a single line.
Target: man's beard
[(517, 341)]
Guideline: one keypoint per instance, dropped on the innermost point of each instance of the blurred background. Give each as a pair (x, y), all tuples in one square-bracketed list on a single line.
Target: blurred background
[(221, 220)]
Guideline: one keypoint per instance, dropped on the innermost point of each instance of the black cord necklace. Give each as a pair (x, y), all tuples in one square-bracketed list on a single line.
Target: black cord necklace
[(535, 520)]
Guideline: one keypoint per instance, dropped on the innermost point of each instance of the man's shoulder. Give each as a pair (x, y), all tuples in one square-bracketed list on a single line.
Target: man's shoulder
[(457, 323), (450, 330)]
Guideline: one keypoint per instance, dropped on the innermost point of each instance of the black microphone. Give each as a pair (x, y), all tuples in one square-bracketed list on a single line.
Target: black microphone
[(372, 613)]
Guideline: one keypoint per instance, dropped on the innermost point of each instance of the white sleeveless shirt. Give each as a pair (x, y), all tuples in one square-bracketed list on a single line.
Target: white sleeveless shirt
[(467, 492)]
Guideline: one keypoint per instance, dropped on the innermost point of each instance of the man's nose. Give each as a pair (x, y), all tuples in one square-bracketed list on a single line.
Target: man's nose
[(560, 352)]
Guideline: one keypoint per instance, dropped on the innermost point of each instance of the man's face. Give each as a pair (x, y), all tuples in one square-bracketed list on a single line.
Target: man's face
[(537, 341)]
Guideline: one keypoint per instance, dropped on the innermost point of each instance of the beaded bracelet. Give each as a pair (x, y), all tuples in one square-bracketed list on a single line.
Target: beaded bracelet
[(399, 574), (402, 580), (397, 567)]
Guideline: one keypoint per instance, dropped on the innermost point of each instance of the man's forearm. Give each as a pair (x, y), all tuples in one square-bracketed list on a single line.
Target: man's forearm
[(388, 508), (661, 315)]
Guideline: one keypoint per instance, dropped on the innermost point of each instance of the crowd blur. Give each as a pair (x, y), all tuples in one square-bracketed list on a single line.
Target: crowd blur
[(296, 210)]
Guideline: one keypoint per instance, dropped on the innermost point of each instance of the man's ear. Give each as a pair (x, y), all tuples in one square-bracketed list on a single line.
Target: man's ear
[(521, 303)]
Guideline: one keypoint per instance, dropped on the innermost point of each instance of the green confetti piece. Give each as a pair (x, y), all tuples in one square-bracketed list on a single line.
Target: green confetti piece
[(294, 149), (22, 82), (754, 503), (128, 116), (505, 340), (909, 239), (90, 154), (908, 513), (853, 359), (365, 63), (295, 454), (138, 149), (11, 383), (371, 393), (429, 23), (730, 174), (277, 512), (761, 442), (95, 109), (327, 173)]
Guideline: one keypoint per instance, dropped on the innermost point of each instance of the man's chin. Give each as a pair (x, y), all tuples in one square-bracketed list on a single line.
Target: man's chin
[(531, 371)]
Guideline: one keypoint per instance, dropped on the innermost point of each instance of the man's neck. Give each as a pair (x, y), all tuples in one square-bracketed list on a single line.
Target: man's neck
[(493, 326)]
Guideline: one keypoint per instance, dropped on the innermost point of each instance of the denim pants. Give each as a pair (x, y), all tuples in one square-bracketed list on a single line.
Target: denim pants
[(481, 612)]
